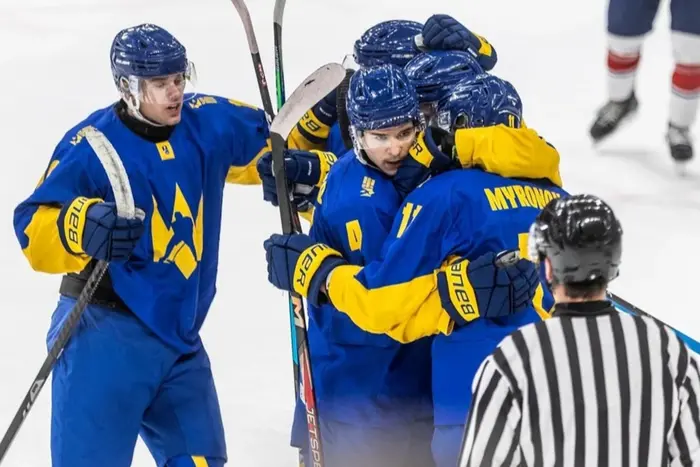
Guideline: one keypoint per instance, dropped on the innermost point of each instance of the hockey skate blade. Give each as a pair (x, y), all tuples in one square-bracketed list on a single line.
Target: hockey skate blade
[(314, 88)]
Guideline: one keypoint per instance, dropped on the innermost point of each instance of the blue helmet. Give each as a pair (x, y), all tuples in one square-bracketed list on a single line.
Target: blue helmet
[(388, 42), (485, 100), (146, 51), (435, 72), (381, 97)]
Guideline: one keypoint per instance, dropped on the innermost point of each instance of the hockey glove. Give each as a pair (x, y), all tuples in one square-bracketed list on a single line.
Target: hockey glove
[(296, 263), (305, 170), (443, 32), (311, 132), (425, 159), (487, 287), (92, 227)]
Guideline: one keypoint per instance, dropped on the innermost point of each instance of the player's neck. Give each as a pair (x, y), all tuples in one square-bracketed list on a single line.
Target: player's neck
[(152, 133)]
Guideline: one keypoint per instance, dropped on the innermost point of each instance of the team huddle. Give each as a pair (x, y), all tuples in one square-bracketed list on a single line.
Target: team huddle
[(423, 186)]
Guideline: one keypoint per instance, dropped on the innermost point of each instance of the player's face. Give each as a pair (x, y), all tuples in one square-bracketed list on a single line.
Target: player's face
[(162, 98), (389, 146)]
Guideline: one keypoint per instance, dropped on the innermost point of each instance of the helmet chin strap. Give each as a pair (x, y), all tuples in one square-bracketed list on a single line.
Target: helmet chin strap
[(131, 94), (359, 152), (133, 105)]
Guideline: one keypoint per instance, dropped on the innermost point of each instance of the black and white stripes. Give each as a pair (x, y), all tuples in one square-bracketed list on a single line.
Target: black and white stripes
[(589, 387)]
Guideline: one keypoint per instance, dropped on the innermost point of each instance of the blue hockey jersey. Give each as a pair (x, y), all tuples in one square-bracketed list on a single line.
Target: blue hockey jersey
[(335, 143), (463, 213), (362, 377), (169, 281)]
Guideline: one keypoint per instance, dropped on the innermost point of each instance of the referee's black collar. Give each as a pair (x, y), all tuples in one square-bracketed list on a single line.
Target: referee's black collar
[(581, 309)]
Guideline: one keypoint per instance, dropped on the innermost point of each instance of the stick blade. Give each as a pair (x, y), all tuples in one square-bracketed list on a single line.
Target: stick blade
[(247, 25), (314, 88), (278, 11)]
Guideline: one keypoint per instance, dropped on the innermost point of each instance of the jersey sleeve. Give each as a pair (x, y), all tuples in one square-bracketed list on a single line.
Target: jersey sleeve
[(685, 442), (509, 152), (68, 175), (335, 143), (493, 421), (251, 139), (248, 135), (398, 295)]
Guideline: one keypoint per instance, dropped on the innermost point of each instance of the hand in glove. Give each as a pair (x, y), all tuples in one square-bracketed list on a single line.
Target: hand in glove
[(94, 228), (296, 263), (305, 171), (443, 32), (430, 155), (491, 286)]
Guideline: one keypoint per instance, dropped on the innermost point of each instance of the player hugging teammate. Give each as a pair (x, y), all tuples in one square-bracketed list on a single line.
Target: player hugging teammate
[(407, 289), (421, 180)]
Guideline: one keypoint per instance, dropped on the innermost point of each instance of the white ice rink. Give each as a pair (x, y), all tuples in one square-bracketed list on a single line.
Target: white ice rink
[(54, 70)]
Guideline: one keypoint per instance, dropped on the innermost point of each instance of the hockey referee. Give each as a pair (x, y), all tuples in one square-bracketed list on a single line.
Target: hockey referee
[(590, 386)]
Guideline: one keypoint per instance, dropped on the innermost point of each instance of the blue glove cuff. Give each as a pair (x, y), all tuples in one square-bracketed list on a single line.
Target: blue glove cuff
[(315, 297)]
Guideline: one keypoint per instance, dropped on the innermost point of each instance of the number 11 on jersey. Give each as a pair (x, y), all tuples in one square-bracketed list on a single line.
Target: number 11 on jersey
[(408, 214)]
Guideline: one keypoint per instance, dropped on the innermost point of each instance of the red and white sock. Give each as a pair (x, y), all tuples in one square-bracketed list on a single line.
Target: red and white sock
[(686, 79), (623, 59)]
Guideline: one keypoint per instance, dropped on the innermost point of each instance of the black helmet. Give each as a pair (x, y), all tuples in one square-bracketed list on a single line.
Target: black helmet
[(581, 237)]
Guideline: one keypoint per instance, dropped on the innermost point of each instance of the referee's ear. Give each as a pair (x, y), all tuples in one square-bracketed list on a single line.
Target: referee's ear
[(548, 270)]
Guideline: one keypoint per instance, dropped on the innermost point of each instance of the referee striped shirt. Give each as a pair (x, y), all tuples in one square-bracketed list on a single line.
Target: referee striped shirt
[(589, 387)]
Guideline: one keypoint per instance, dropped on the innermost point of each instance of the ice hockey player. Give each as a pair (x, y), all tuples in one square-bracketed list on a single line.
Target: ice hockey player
[(326, 124), (356, 222), (629, 21), (135, 364), (373, 393), (591, 386), (410, 293)]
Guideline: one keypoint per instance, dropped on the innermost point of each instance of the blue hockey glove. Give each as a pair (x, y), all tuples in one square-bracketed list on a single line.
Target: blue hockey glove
[(305, 170), (93, 227), (326, 110), (425, 159), (296, 263), (491, 286), (443, 32), (312, 130)]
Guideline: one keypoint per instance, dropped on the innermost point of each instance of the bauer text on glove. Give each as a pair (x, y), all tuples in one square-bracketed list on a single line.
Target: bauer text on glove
[(89, 226), (296, 263), (486, 288), (425, 159)]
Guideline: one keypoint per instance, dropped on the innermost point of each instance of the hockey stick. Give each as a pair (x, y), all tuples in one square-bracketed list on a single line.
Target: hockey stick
[(279, 65), (623, 305), (281, 190), (267, 103), (277, 16), (313, 89), (255, 55), (125, 207)]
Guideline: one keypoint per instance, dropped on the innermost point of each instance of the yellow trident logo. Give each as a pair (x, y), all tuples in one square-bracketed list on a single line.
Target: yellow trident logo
[(180, 242)]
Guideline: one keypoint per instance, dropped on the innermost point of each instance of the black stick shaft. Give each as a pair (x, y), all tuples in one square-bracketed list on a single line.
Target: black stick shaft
[(59, 344)]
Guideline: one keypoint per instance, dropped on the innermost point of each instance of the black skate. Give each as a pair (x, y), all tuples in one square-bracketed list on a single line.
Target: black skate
[(611, 115), (679, 144)]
